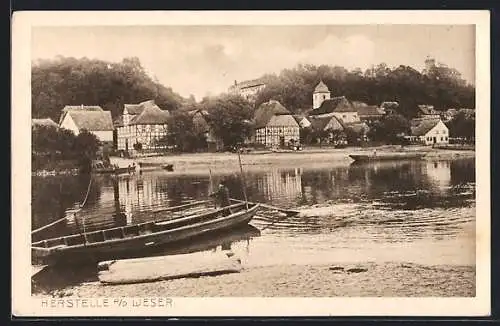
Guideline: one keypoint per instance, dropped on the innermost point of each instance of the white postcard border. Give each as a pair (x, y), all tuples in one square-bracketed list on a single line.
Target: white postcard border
[(24, 305)]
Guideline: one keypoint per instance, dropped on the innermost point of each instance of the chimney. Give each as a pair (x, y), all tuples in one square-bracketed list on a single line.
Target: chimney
[(235, 82)]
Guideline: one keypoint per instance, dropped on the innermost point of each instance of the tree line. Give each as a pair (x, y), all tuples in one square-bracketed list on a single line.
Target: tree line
[(51, 144), (69, 81), (441, 86)]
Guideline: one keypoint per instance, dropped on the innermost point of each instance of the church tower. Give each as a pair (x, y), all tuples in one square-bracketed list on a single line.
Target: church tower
[(320, 94)]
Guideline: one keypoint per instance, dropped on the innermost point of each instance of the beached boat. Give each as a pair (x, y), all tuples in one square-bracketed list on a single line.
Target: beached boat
[(386, 156), (108, 243)]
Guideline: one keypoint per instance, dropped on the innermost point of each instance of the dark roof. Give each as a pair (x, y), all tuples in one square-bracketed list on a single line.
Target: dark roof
[(387, 105), (282, 120), (47, 122), (151, 114), (133, 109), (82, 107), (92, 120), (422, 126), (266, 111), (365, 110), (320, 123), (427, 110), (321, 88), (299, 117), (336, 104)]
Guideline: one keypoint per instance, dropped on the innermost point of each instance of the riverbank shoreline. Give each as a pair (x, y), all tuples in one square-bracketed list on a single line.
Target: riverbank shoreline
[(310, 157), (371, 279)]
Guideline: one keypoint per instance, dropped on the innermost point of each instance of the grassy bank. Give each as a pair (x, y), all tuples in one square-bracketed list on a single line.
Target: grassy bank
[(365, 280)]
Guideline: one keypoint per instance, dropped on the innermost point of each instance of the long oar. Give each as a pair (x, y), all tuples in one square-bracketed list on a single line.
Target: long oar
[(288, 212)]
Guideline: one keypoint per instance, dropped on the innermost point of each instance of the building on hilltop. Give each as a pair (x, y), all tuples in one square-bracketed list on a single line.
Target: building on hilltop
[(247, 89), (429, 131), (140, 127), (275, 126), (91, 118)]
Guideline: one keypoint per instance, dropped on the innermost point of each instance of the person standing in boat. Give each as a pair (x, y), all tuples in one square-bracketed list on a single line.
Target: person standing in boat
[(222, 196)]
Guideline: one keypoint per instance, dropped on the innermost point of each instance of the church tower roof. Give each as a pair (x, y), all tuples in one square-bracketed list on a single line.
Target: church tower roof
[(321, 88)]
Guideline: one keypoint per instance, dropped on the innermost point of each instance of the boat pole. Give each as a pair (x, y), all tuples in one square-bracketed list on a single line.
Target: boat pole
[(242, 180)]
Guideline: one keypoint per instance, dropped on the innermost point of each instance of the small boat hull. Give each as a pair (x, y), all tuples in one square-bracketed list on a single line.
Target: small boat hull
[(147, 238), (386, 157)]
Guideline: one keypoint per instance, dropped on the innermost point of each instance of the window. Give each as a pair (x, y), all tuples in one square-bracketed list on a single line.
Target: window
[(446, 138)]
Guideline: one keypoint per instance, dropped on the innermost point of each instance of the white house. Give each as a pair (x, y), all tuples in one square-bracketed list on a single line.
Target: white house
[(93, 119), (429, 131)]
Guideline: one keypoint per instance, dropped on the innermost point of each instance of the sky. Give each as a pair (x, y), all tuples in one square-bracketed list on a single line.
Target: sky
[(206, 60)]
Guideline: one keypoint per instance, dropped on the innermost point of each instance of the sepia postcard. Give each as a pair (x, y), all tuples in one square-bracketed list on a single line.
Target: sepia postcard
[(251, 163)]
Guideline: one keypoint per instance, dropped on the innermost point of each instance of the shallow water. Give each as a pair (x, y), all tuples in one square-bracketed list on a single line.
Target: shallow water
[(420, 211)]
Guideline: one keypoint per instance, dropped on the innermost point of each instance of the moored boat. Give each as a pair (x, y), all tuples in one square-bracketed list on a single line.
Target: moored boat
[(386, 156), (120, 241), (168, 167)]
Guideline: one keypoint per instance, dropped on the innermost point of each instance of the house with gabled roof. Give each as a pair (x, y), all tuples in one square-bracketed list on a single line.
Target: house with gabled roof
[(368, 113), (91, 118), (275, 126), (339, 106), (302, 121), (141, 126), (429, 131)]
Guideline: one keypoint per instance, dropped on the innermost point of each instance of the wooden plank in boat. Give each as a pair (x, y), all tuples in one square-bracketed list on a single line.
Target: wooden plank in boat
[(152, 269)]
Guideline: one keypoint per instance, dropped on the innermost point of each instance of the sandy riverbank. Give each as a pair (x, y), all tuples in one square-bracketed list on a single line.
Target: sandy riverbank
[(308, 157), (360, 280)]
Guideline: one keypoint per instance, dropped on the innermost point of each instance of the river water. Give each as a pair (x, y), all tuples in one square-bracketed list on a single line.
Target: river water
[(414, 211)]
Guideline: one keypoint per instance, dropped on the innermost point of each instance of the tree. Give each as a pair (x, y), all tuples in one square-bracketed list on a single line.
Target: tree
[(230, 118), (463, 125), (390, 128), (69, 81), (182, 134), (86, 146)]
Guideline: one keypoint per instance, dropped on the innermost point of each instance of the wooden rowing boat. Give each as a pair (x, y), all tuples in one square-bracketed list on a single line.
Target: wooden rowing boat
[(386, 156), (106, 244)]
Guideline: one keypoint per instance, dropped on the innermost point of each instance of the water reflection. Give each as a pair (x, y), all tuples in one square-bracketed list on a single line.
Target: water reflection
[(131, 199), (415, 210)]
